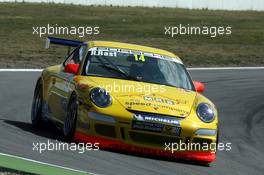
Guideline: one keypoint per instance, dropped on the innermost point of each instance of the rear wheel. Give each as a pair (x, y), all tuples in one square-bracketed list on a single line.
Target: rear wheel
[(36, 110), (70, 119)]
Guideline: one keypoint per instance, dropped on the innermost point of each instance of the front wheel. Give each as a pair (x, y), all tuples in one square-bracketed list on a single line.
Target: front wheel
[(36, 110), (70, 119)]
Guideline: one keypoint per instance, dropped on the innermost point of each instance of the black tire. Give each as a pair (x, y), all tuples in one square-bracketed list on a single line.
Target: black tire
[(69, 125), (36, 110)]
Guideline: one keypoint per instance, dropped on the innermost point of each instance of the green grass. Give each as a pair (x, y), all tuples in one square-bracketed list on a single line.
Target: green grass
[(21, 49), (19, 165)]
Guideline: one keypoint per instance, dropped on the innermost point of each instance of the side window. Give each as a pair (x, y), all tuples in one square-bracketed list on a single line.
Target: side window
[(76, 56)]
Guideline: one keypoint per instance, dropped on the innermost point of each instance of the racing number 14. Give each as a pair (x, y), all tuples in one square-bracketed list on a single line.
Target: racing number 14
[(141, 58)]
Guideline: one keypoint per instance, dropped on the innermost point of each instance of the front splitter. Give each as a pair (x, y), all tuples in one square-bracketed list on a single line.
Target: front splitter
[(205, 157)]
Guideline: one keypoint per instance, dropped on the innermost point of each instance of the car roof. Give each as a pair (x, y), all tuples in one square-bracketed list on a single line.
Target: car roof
[(121, 45)]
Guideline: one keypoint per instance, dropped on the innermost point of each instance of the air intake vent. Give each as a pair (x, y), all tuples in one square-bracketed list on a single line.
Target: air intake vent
[(152, 139), (105, 130)]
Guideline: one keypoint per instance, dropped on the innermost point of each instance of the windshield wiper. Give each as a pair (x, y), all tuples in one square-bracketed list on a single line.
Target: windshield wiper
[(115, 68), (119, 70)]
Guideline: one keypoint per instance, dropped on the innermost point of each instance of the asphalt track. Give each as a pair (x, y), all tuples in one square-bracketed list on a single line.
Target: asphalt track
[(238, 94)]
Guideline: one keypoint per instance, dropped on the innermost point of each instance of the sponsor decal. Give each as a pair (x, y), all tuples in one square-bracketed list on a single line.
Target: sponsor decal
[(160, 106), (103, 53), (139, 117), (162, 120), (171, 130), (159, 100), (156, 127), (147, 126), (138, 55), (156, 119)]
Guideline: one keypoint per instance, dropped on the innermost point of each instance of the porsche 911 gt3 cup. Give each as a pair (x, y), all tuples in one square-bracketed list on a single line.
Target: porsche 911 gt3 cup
[(127, 97)]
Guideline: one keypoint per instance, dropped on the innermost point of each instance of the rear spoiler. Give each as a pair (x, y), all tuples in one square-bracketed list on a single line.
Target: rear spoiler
[(64, 42)]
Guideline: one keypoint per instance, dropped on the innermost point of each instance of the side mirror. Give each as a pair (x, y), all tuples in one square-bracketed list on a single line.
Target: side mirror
[(199, 87), (72, 68)]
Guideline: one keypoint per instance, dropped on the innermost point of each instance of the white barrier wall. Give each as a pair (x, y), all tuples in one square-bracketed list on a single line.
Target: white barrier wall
[(257, 5)]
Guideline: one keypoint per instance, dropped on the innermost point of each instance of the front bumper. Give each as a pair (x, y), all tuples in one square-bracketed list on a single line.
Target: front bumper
[(117, 133), (200, 156)]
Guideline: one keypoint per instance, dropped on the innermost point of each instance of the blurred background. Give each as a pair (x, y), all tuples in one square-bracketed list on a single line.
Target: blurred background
[(139, 22)]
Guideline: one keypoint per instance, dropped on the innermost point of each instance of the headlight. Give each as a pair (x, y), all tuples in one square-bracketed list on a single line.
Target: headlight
[(205, 112), (100, 97)]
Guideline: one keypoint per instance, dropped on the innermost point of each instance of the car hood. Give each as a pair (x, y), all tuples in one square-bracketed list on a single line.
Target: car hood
[(166, 100)]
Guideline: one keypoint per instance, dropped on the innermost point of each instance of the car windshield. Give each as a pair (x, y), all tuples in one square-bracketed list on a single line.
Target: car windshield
[(137, 66)]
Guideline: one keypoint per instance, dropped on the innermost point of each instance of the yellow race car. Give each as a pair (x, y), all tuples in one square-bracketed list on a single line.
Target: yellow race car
[(127, 97)]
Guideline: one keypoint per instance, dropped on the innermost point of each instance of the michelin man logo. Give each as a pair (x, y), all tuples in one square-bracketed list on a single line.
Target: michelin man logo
[(139, 117)]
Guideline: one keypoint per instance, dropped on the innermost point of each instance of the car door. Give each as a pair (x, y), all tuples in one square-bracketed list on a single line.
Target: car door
[(62, 86)]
